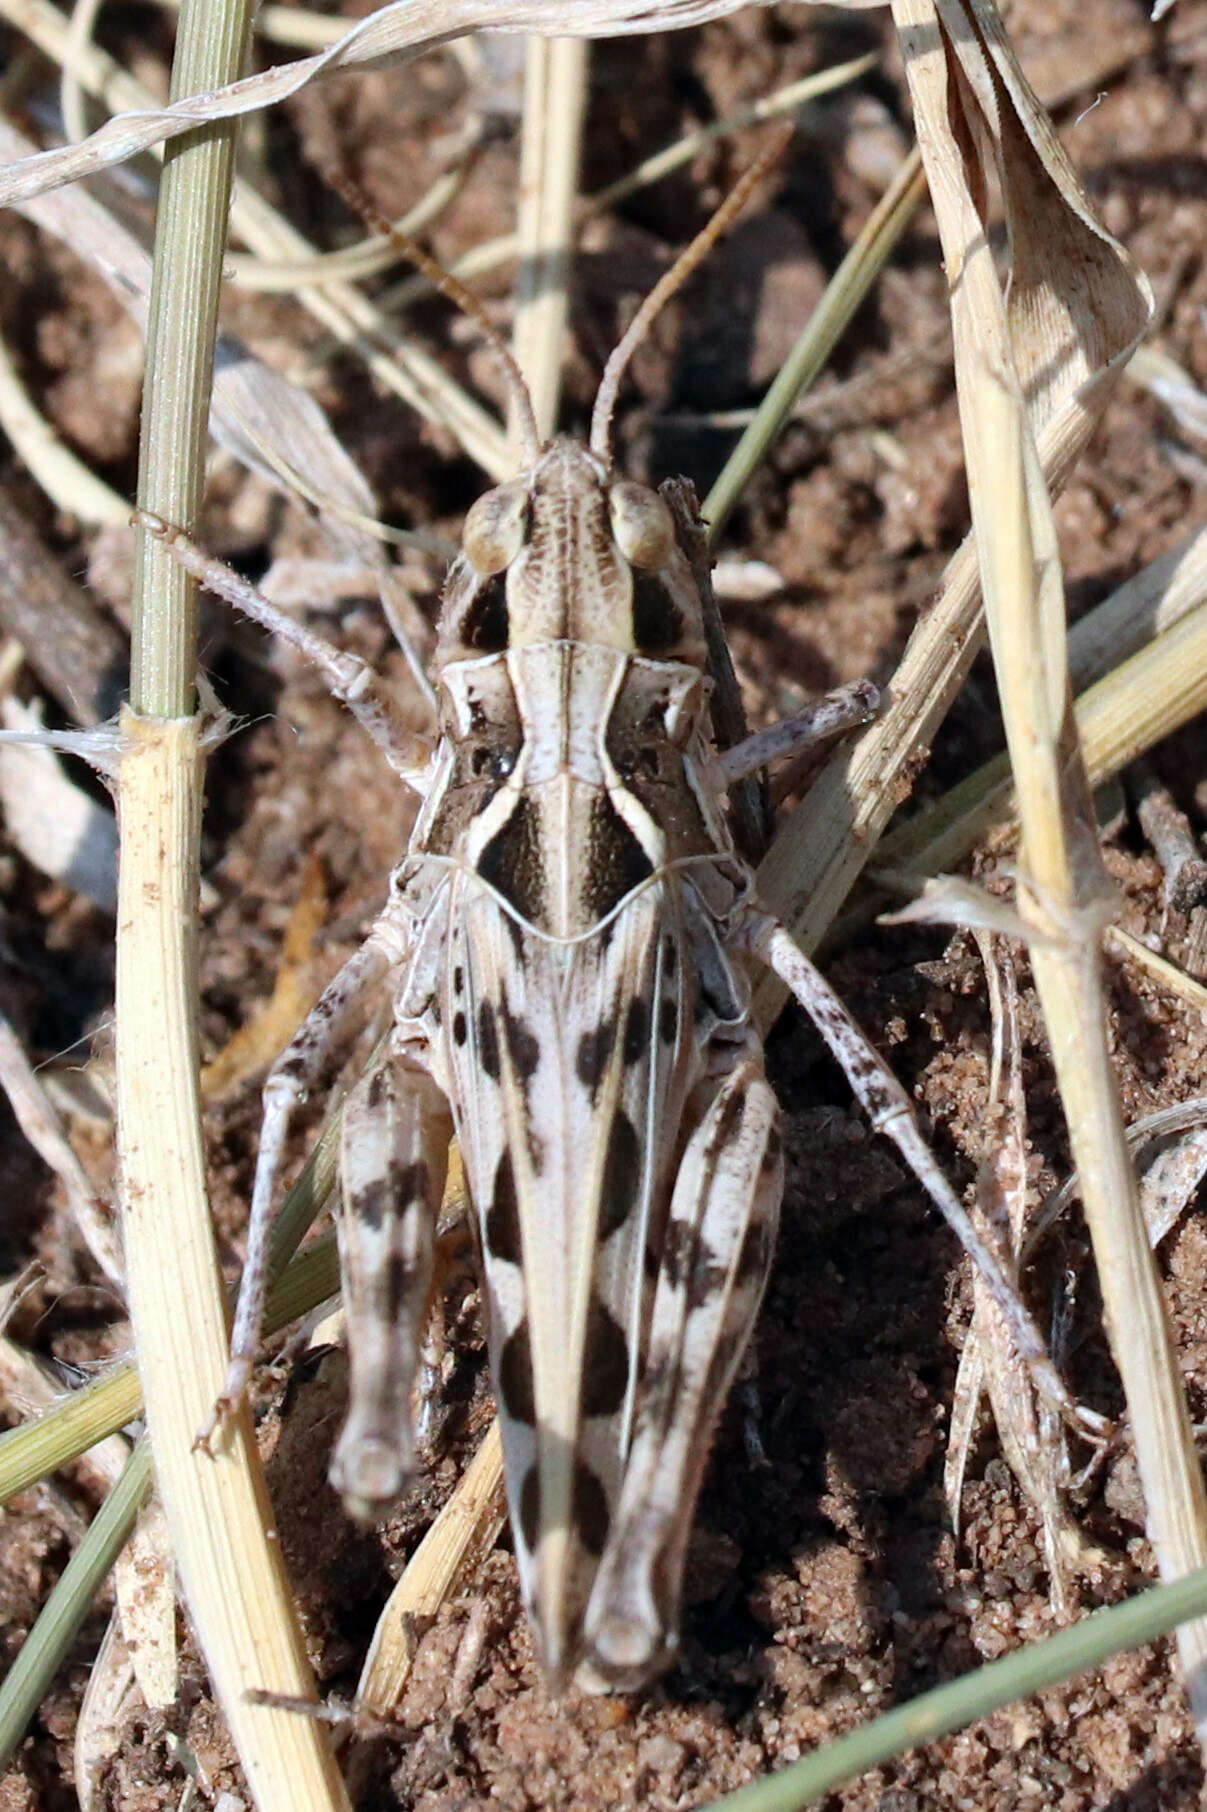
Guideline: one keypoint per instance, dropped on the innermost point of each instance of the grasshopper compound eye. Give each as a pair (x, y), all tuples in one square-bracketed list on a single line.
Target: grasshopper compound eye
[(495, 527), (642, 525)]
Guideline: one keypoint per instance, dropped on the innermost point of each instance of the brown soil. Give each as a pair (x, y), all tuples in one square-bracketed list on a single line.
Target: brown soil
[(824, 1582)]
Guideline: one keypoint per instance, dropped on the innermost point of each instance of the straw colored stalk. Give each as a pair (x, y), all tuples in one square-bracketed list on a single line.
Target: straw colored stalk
[(1062, 886), (555, 95), (467, 1527), (1126, 713), (217, 1508)]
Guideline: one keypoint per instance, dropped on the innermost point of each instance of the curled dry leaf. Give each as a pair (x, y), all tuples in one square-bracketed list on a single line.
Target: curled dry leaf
[(393, 34), (1171, 1181)]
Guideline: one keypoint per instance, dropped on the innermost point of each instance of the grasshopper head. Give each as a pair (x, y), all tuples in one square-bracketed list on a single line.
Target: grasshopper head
[(571, 552)]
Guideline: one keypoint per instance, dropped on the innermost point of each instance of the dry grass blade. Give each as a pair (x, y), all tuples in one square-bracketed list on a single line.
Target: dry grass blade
[(27, 1679), (844, 292), (57, 826), (65, 1428), (391, 34), (555, 94), (230, 1568), (228, 1559), (30, 1387), (468, 1525), (144, 1584), (111, 1685), (378, 252), (958, 76), (74, 647), (257, 414), (268, 1030), (1170, 977), (1134, 707), (1146, 605), (60, 473), (491, 253)]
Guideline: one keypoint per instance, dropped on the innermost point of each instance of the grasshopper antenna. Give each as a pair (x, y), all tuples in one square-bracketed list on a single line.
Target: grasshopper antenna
[(460, 296), (664, 289)]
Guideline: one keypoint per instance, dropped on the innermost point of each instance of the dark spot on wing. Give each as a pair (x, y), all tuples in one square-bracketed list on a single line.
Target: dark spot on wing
[(668, 1020), (605, 1363), (488, 1040), (530, 1508), (370, 1204), (523, 1046), (657, 619), (621, 1174), (460, 1028), (636, 1031), (396, 1284), (503, 1216), (458, 979), (594, 1050), (379, 1083), (755, 1255), (485, 625), (515, 1377), (678, 1251), (589, 1509), (616, 862), (410, 1183), (688, 1259), (708, 1278), (670, 956), (512, 861)]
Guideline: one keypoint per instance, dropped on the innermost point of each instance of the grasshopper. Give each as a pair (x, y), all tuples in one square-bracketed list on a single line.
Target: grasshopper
[(568, 946)]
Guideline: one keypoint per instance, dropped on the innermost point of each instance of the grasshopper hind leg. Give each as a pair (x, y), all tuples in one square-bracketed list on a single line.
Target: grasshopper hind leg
[(890, 1111), (393, 1159), (714, 1260)]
